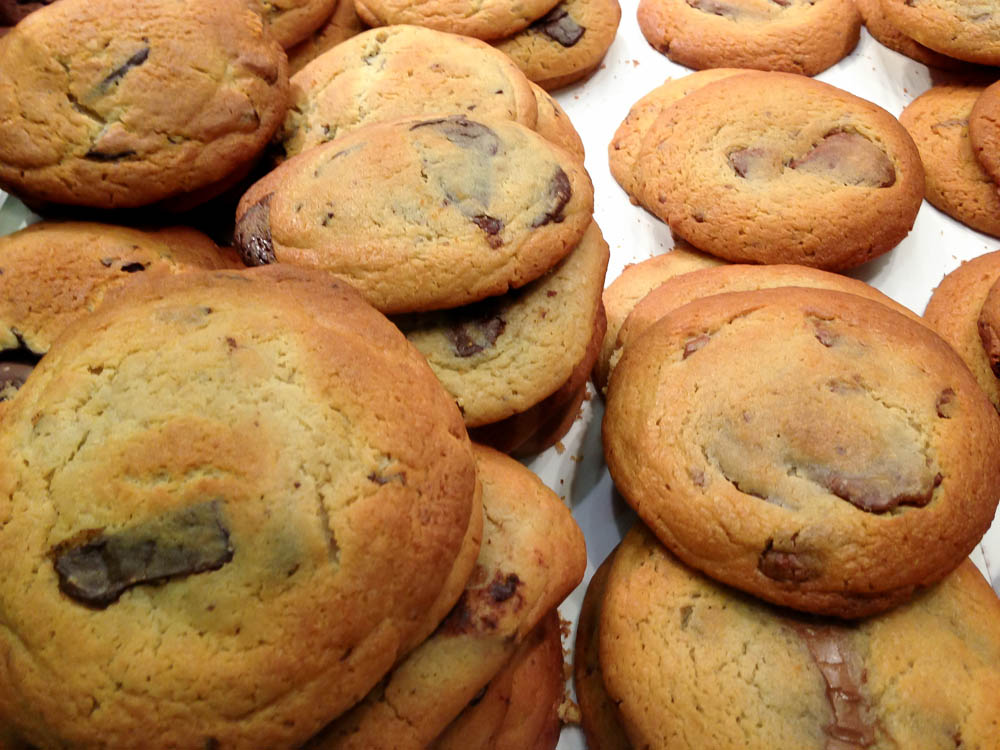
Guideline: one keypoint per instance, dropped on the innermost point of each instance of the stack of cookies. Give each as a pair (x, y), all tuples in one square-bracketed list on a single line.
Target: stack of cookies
[(826, 490)]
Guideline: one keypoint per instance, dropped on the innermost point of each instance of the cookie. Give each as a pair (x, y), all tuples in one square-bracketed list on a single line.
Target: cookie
[(421, 214), (626, 145), (953, 311), (567, 44), (600, 718), (532, 556), (520, 708), (554, 124), (489, 19), (887, 35), (854, 464), (220, 470), (342, 24), (292, 21), (795, 36), (547, 422), (826, 180), (634, 283), (402, 71), (13, 11), (679, 290), (967, 31), (938, 121), (503, 355), (693, 664), (56, 272), (110, 106), (984, 130)]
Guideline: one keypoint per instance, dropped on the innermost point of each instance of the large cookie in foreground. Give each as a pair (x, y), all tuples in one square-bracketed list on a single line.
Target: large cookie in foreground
[(855, 461), (421, 214), (117, 105), (402, 71), (692, 664), (825, 179), (203, 486)]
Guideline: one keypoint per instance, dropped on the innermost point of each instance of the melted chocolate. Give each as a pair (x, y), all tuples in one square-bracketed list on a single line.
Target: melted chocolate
[(558, 196), (465, 133), (559, 26)]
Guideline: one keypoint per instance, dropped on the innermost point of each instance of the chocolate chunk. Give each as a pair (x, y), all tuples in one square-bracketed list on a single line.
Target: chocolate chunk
[(133, 267), (559, 26), (946, 403), (118, 73), (991, 343), (492, 227), (848, 158), (558, 196), (715, 7), (12, 377), (788, 567), (755, 163), (693, 345), (386, 478), (474, 336), (503, 589), (479, 609), (882, 491), (95, 567), (830, 648), (465, 133), (93, 155), (252, 235), (825, 336)]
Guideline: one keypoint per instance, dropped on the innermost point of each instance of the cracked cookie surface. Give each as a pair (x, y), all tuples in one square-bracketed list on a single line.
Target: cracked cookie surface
[(778, 168), (188, 413), (422, 214), (693, 664), (854, 463), (402, 71), (111, 106), (794, 36)]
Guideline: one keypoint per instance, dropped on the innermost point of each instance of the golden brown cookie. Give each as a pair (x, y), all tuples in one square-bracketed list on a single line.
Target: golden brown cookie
[(826, 179), (485, 19), (693, 664), (938, 121), (422, 214), (957, 28), (954, 309), (554, 124), (292, 21), (637, 280), (342, 24), (234, 495), (565, 45), (984, 130), (794, 36), (804, 445), (402, 71), (625, 147), (111, 105), (532, 556), (886, 34)]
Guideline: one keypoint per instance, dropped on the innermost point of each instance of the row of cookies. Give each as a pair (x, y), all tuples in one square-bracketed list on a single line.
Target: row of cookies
[(755, 475), (237, 499)]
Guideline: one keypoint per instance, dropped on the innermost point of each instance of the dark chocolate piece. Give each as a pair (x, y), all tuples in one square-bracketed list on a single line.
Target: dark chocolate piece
[(118, 73), (715, 7), (474, 336), (465, 133), (850, 159), (559, 26), (559, 194), (95, 567), (252, 235), (877, 493), (12, 377), (479, 610), (503, 589), (790, 567), (93, 155)]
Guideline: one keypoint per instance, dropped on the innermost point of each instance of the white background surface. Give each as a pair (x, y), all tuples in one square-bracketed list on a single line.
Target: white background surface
[(597, 106)]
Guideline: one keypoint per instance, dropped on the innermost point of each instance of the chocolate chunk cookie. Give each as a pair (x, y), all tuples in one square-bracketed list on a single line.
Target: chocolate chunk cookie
[(114, 106), (554, 124), (403, 71), (487, 19), (422, 214), (292, 21), (826, 179), (815, 478), (984, 130), (882, 29), (957, 28), (567, 44), (342, 24), (503, 355), (692, 664), (956, 182), (794, 36), (532, 556), (218, 505)]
